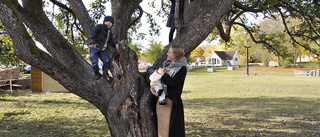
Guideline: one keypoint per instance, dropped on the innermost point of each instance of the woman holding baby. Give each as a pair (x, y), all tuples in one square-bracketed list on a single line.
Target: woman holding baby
[(171, 116)]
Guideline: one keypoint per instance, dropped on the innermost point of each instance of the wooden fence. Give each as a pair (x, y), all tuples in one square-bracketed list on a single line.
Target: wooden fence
[(307, 72)]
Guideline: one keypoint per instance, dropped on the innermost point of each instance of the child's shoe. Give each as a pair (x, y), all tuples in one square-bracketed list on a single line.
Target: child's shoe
[(97, 75), (162, 102), (106, 76)]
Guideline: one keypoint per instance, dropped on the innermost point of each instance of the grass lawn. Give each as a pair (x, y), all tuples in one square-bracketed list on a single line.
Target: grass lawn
[(223, 103), (273, 103)]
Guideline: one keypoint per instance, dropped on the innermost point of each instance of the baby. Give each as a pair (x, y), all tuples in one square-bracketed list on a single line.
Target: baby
[(155, 78)]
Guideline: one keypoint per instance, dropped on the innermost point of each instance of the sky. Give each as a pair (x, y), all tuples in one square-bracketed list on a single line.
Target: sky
[(164, 32), (145, 27)]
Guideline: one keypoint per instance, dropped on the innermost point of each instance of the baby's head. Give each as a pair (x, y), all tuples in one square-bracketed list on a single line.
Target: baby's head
[(151, 69)]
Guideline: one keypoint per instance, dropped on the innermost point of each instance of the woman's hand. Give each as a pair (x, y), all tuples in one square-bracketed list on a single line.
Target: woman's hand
[(161, 71)]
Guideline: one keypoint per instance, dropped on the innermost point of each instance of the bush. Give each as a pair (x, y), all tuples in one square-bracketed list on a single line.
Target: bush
[(312, 64), (285, 63), (316, 60)]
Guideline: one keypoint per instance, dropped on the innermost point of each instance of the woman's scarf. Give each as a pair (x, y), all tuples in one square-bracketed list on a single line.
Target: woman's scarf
[(172, 69)]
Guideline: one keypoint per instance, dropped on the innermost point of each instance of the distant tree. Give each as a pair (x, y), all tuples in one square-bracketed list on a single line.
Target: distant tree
[(7, 56), (153, 53), (207, 51), (135, 47), (307, 11), (275, 30), (197, 52), (238, 39)]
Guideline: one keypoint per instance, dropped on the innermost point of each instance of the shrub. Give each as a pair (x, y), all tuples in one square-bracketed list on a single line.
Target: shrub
[(285, 63)]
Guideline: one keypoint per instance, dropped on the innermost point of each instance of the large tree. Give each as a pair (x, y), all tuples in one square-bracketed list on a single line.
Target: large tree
[(126, 102)]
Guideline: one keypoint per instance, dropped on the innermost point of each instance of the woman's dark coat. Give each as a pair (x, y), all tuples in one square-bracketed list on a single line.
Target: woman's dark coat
[(175, 86)]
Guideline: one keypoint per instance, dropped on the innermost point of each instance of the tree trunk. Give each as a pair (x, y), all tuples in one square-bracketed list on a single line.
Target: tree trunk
[(126, 102), (200, 18)]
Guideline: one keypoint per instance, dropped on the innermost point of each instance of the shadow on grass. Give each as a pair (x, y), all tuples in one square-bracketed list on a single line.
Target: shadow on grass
[(15, 113), (14, 93), (210, 132), (49, 102), (253, 117), (7, 100), (54, 127)]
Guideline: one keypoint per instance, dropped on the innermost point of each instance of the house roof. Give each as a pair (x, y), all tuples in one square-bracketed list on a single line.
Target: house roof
[(225, 55), (201, 57)]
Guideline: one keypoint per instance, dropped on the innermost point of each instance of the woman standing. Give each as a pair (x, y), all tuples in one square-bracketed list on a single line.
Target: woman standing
[(171, 116)]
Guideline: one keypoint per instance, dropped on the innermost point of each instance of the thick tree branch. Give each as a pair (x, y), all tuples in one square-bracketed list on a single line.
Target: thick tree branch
[(308, 18), (268, 46), (314, 39), (203, 22), (138, 18), (67, 11), (233, 19), (291, 36), (79, 6), (224, 36), (63, 64), (251, 8), (62, 6), (82, 15), (25, 47)]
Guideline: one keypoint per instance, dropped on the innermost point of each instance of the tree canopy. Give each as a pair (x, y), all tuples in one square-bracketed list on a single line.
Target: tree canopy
[(306, 12)]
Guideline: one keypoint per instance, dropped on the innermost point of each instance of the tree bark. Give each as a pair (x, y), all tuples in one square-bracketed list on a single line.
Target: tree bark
[(200, 18), (126, 102), (82, 15)]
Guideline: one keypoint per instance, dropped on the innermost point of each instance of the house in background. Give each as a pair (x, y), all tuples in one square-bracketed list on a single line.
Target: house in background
[(41, 82), (306, 58), (200, 58), (223, 58)]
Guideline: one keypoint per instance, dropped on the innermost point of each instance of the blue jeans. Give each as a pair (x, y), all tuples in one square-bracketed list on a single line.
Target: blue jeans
[(95, 54)]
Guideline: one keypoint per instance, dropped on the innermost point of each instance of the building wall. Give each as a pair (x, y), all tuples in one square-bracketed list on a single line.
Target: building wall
[(36, 79), (234, 61), (305, 58), (218, 63), (273, 63), (41, 82), (49, 84), (223, 62)]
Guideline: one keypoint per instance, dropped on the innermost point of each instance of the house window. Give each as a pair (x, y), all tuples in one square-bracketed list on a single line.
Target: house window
[(214, 61), (211, 61), (236, 59)]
